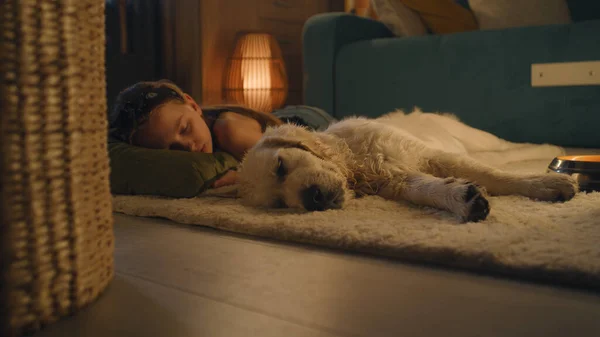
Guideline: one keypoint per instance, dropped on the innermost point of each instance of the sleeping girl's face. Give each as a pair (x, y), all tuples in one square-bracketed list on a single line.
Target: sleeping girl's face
[(176, 126)]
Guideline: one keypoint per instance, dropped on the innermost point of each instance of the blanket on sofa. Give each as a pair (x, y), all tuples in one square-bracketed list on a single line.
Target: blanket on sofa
[(550, 242)]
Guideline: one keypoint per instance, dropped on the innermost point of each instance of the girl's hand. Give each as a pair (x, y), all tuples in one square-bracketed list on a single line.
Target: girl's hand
[(229, 178)]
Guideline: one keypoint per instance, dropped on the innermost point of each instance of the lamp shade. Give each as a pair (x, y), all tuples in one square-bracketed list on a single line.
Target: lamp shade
[(255, 75)]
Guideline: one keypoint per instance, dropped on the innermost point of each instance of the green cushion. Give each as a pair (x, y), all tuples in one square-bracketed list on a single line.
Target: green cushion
[(177, 174)]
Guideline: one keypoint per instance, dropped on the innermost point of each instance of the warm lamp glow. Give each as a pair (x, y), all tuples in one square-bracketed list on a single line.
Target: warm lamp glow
[(256, 75)]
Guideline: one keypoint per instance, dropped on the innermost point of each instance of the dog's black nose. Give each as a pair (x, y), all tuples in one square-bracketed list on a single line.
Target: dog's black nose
[(315, 198)]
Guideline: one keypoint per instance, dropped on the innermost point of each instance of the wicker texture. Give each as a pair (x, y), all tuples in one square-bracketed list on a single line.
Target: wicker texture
[(256, 75), (56, 235)]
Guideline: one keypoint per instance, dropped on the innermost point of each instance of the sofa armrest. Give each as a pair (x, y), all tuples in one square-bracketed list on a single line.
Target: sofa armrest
[(323, 36)]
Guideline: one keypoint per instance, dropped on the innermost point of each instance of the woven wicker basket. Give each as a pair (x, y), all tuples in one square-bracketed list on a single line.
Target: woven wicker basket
[(56, 233)]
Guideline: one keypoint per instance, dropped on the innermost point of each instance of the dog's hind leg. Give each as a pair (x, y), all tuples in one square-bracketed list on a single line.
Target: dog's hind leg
[(455, 195), (544, 186)]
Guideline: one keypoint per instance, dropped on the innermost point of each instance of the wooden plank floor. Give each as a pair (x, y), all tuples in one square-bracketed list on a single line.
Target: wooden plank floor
[(175, 280)]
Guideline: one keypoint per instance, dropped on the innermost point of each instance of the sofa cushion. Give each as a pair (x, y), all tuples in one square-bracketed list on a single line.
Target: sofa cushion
[(499, 14), (400, 19), (443, 16)]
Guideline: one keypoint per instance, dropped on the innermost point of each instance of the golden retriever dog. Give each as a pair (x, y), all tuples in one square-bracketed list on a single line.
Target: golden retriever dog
[(427, 159)]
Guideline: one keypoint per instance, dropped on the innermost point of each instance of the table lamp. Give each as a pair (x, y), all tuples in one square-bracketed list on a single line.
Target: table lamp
[(255, 75)]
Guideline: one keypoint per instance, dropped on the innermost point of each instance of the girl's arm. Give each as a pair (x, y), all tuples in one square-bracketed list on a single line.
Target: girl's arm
[(236, 133)]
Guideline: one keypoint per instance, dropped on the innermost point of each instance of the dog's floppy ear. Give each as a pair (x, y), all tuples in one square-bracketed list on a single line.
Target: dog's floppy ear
[(283, 142)]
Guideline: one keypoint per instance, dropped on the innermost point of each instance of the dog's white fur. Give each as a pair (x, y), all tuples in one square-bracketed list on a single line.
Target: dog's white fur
[(428, 159)]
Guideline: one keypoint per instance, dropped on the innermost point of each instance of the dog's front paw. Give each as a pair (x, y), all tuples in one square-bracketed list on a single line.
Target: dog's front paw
[(552, 187), (477, 206), (469, 200)]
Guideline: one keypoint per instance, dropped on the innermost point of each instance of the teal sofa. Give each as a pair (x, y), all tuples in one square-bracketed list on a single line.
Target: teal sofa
[(355, 66)]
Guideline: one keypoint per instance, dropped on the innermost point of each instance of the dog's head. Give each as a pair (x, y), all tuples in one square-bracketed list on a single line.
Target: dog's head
[(291, 167)]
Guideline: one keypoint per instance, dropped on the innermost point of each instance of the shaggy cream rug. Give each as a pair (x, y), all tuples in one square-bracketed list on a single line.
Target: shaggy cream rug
[(551, 242)]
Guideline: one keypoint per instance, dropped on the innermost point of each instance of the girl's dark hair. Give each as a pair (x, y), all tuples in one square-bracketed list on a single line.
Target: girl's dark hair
[(134, 105)]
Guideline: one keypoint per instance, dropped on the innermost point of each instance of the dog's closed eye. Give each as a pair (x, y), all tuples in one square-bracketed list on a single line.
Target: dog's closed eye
[(281, 170), (287, 143)]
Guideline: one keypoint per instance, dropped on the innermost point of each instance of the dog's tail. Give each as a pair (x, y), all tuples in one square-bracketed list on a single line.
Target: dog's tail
[(525, 152)]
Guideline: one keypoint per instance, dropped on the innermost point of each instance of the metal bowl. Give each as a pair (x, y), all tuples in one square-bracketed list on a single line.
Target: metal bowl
[(585, 169)]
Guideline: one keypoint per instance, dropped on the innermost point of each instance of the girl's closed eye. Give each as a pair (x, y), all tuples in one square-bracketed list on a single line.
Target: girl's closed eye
[(186, 128)]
